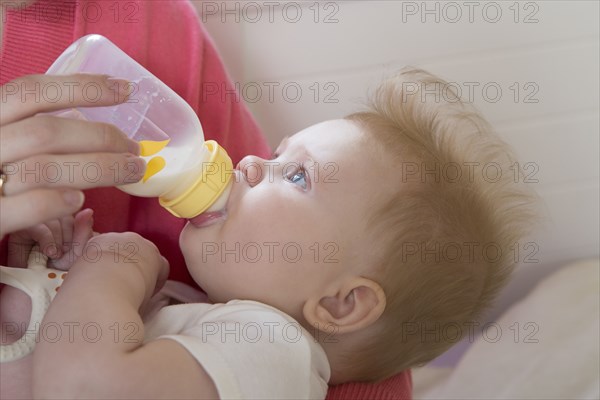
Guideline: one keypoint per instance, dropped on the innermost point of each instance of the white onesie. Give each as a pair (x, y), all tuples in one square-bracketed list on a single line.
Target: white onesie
[(249, 349)]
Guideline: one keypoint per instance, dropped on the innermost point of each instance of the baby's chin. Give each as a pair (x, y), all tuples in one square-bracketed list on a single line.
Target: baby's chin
[(198, 248), (208, 281)]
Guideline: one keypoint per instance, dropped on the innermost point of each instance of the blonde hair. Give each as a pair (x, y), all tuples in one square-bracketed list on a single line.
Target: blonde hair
[(433, 294)]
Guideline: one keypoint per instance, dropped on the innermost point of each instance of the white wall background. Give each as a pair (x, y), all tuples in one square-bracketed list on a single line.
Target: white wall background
[(542, 55)]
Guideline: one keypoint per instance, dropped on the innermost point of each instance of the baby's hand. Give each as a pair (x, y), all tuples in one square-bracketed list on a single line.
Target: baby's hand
[(62, 240), (130, 250)]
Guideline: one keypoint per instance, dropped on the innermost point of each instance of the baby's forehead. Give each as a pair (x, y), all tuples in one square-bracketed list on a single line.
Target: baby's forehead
[(345, 154), (328, 140)]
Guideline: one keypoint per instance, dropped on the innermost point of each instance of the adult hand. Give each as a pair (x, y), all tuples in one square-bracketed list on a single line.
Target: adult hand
[(46, 160)]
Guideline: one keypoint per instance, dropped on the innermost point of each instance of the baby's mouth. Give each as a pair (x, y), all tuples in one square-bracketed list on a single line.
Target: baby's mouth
[(208, 218), (212, 217)]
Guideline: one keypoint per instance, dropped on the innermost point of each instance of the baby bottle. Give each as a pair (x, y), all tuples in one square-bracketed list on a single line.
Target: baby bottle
[(188, 175)]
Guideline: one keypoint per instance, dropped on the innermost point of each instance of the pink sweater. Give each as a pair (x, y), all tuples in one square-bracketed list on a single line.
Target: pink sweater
[(166, 38)]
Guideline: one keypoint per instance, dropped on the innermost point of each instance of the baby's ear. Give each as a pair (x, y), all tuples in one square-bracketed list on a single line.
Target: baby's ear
[(358, 303)]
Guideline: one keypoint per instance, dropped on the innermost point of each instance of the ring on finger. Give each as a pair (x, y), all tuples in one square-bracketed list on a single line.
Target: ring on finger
[(2, 183)]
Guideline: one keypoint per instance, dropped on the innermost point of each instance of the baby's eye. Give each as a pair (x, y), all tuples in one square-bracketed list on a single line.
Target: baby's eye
[(298, 177)]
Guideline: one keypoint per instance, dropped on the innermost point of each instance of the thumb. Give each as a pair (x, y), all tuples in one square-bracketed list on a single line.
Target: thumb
[(163, 275)]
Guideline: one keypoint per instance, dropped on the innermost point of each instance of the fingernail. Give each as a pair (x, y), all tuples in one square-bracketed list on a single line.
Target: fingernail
[(73, 197), (136, 167), (133, 147), (52, 251), (122, 88)]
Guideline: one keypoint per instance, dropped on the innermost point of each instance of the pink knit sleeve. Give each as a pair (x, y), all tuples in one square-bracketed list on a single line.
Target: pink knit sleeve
[(398, 387)]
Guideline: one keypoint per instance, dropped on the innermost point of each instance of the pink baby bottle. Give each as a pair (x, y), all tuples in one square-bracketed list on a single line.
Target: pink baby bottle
[(188, 175)]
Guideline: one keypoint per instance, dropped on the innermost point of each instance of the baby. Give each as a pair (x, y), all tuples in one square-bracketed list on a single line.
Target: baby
[(346, 257)]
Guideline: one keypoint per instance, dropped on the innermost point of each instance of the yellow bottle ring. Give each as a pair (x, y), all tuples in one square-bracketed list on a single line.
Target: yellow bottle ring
[(216, 174)]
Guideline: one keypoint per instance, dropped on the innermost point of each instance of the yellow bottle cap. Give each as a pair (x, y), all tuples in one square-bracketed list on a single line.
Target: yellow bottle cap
[(217, 171)]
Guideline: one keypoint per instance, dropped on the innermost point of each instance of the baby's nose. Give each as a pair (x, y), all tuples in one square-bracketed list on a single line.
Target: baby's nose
[(252, 168)]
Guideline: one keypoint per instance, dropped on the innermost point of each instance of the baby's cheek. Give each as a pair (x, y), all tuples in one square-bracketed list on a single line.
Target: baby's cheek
[(183, 239), (189, 242)]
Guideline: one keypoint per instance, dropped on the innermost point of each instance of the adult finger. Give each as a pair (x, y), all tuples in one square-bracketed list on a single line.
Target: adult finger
[(81, 171), (32, 94), (47, 134), (27, 209), (19, 247)]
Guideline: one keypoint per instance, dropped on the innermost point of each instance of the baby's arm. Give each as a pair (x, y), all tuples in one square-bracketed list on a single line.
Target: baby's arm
[(104, 357), (69, 234)]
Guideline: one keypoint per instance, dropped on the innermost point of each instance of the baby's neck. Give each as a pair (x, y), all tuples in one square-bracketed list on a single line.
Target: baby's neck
[(337, 348)]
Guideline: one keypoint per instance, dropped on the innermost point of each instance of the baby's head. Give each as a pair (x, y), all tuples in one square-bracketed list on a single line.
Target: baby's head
[(385, 233)]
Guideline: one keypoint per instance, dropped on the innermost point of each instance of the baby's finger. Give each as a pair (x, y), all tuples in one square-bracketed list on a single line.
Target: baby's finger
[(33, 207), (55, 92), (54, 250), (82, 232), (66, 224), (42, 234)]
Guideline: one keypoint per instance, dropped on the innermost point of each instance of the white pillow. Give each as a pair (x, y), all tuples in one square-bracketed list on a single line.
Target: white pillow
[(563, 315)]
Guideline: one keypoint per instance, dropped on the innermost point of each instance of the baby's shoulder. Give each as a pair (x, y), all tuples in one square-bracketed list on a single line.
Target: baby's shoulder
[(245, 313)]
